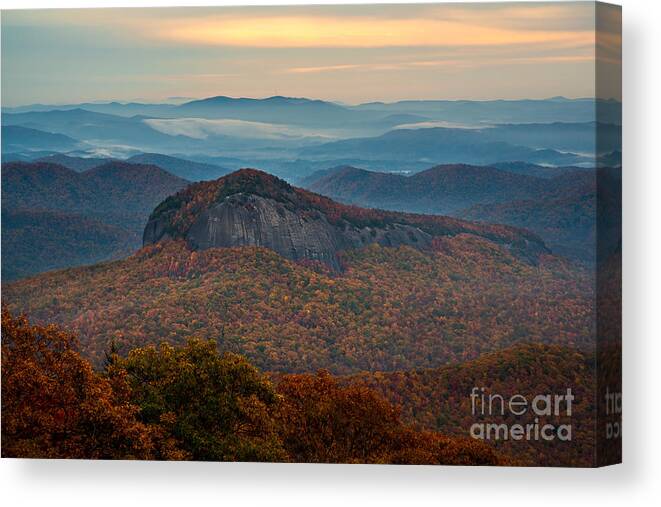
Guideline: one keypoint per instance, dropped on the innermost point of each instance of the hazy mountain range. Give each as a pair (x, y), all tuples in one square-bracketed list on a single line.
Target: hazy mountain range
[(309, 111), (559, 204), (293, 137), (91, 173)]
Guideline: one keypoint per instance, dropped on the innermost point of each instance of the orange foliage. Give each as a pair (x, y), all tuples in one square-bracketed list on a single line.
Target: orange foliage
[(55, 406), (438, 399), (391, 308), (194, 403), (323, 421)]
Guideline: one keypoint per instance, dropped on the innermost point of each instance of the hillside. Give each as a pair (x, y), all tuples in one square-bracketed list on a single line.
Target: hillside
[(114, 189), (438, 145), (557, 204), (186, 169), (390, 309), (569, 214), (16, 138), (104, 209), (439, 399), (197, 403), (442, 189), (37, 241)]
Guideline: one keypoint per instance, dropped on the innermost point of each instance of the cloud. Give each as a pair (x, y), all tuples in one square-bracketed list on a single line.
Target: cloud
[(339, 32), (200, 128), (468, 62), (352, 53), (434, 124)]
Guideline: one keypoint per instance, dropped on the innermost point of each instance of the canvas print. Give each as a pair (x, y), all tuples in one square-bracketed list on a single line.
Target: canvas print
[(378, 234)]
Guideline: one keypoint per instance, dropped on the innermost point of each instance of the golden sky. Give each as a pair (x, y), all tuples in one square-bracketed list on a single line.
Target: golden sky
[(346, 53)]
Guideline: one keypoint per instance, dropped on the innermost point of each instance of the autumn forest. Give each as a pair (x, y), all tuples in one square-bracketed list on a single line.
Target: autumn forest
[(380, 234)]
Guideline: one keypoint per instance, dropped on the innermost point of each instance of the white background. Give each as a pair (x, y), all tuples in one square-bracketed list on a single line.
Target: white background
[(636, 482)]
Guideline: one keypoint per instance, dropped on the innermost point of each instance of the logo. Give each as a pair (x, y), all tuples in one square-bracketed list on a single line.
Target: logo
[(536, 416)]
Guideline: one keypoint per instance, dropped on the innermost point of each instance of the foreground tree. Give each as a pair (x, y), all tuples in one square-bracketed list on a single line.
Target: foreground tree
[(55, 406), (192, 402), (324, 421), (217, 406)]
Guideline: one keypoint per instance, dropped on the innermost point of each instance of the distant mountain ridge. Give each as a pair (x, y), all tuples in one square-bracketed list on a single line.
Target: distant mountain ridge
[(96, 214), (475, 112), (113, 187), (558, 204), (443, 189), (186, 169), (78, 164), (99, 128), (16, 138), (577, 214), (439, 145), (279, 129)]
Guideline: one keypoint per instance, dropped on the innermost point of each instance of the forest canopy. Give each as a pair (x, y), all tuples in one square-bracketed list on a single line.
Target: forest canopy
[(193, 402)]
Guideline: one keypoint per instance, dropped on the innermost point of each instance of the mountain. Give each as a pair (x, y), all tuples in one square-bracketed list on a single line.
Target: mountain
[(390, 308), (286, 110), (187, 169), (574, 214), (442, 189), (78, 164), (539, 171), (437, 145), (253, 208), (114, 108), (16, 138), (506, 111), (111, 189), (38, 241), (557, 204), (456, 111), (86, 205), (107, 131), (562, 136)]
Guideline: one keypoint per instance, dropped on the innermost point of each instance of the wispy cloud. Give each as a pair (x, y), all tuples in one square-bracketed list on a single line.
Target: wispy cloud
[(199, 128), (457, 64), (371, 66), (339, 32)]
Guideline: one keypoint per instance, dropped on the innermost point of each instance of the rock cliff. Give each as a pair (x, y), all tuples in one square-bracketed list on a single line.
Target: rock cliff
[(252, 208)]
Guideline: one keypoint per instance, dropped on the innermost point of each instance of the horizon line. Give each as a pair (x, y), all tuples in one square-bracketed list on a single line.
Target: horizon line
[(178, 100)]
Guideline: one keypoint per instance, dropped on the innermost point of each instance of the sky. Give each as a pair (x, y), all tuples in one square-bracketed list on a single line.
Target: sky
[(350, 54)]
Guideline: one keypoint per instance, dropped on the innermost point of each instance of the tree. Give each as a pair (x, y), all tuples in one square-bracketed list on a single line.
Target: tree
[(55, 406), (218, 407), (323, 421)]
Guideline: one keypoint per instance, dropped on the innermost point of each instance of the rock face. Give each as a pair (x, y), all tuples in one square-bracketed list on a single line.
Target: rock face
[(253, 208), (251, 220)]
